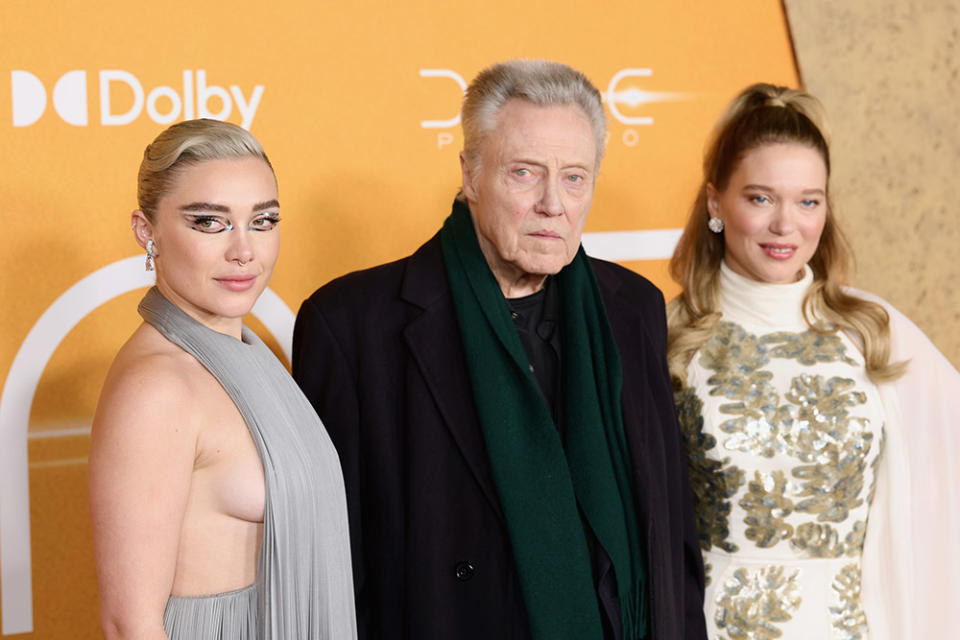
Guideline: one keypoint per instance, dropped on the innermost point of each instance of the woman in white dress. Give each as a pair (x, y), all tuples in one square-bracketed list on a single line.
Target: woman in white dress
[(821, 424)]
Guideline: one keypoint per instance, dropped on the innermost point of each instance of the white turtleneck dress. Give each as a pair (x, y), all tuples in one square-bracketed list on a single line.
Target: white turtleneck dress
[(784, 431)]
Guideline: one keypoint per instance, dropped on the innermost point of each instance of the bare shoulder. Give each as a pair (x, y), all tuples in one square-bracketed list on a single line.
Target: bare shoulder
[(142, 457), (152, 385)]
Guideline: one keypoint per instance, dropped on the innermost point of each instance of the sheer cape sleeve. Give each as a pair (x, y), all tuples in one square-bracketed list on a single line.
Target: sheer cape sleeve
[(911, 556)]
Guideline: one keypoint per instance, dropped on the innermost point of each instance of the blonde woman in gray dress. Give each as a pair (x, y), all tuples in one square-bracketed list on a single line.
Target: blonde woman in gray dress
[(216, 496)]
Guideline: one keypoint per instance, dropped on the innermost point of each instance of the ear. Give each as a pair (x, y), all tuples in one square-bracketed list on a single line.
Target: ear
[(468, 174), (713, 200), (142, 229)]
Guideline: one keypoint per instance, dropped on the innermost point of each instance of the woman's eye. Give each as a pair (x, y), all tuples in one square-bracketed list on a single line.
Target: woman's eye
[(809, 204), (760, 199), (265, 223), (210, 224)]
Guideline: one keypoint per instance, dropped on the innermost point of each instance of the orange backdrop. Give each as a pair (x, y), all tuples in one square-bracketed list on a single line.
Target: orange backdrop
[(357, 108)]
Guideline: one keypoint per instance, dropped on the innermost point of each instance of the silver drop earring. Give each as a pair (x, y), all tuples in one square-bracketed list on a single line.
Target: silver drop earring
[(715, 225), (150, 255)]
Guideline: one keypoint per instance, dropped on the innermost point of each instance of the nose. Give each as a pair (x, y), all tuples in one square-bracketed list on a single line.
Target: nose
[(550, 202), (784, 219), (241, 248)]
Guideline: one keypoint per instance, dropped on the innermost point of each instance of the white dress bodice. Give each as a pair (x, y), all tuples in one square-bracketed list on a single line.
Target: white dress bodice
[(783, 430)]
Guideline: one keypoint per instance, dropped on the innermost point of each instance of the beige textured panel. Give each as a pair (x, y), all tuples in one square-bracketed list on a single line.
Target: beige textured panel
[(888, 72)]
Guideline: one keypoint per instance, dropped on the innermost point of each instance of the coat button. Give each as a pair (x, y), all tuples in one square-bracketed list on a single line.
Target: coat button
[(464, 571)]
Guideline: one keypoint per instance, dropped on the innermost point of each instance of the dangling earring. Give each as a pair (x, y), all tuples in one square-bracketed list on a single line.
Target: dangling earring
[(150, 255), (715, 225)]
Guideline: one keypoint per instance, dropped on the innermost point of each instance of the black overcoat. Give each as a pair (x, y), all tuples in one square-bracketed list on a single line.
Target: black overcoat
[(379, 354)]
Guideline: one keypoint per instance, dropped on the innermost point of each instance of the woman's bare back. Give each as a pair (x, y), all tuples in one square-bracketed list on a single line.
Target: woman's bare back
[(173, 459)]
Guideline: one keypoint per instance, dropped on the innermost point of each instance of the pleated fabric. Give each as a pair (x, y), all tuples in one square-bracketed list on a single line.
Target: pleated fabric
[(223, 615), (304, 586)]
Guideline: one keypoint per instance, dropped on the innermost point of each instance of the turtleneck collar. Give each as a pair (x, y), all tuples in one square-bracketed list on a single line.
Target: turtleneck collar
[(762, 304)]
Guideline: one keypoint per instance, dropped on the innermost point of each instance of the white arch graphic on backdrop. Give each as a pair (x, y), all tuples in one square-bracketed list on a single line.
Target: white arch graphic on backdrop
[(101, 286)]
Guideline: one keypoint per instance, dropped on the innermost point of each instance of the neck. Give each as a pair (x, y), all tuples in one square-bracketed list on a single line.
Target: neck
[(518, 286)]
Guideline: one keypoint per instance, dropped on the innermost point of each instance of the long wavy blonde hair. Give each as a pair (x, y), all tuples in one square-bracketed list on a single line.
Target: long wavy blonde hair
[(766, 114)]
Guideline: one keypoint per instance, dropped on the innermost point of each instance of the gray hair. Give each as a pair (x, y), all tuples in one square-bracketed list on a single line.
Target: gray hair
[(186, 144), (540, 82)]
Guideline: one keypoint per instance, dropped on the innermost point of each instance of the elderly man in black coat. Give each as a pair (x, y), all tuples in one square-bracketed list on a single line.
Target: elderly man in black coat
[(501, 402)]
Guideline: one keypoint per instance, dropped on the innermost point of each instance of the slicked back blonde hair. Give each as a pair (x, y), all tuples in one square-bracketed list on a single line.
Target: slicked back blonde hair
[(765, 114), (186, 144)]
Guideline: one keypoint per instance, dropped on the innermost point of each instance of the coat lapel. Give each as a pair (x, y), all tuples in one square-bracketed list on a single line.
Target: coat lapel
[(433, 337)]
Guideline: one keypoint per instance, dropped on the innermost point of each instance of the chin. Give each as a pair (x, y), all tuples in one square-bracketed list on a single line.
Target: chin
[(546, 265), (541, 269), (233, 308)]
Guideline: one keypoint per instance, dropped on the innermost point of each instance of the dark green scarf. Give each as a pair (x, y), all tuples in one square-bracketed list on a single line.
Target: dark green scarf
[(540, 485)]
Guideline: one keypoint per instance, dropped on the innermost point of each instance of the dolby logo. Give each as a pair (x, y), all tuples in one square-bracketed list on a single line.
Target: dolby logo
[(194, 98)]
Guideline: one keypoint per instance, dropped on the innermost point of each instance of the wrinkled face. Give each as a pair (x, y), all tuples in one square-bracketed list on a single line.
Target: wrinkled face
[(773, 211), (216, 239), (530, 195)]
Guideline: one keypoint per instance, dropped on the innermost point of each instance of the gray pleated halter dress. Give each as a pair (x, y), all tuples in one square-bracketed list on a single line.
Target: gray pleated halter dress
[(304, 586)]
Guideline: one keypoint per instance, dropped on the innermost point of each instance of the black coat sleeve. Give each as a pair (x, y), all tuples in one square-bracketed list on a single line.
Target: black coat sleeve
[(693, 578), (323, 370), (638, 316)]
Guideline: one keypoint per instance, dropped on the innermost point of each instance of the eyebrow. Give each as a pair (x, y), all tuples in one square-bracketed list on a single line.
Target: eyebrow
[(763, 187), (220, 208), (540, 163), (267, 204), (205, 206)]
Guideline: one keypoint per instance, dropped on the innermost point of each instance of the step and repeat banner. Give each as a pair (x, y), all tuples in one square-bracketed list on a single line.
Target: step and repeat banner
[(357, 107)]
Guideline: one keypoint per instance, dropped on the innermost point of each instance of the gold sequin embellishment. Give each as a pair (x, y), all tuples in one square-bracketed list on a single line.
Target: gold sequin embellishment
[(848, 618), (767, 505), (814, 422), (713, 482), (751, 604)]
